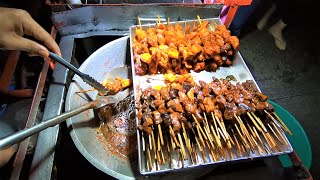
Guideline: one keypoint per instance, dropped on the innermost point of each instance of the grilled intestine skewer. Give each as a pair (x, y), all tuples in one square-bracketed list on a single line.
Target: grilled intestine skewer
[(181, 103)]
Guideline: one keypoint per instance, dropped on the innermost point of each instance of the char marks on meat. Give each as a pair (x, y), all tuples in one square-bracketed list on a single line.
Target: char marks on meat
[(174, 103)]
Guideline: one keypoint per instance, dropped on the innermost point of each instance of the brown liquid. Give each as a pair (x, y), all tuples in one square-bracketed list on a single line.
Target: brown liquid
[(119, 127)]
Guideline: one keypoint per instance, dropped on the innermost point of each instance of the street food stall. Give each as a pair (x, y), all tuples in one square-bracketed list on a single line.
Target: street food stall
[(194, 107)]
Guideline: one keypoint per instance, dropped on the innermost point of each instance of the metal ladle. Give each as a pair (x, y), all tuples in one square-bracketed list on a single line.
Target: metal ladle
[(98, 103)]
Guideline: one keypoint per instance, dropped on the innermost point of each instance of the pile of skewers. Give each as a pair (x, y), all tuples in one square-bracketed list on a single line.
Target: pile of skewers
[(173, 49), (206, 122)]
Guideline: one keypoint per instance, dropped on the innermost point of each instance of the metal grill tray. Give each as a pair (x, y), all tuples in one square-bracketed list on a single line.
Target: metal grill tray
[(238, 69)]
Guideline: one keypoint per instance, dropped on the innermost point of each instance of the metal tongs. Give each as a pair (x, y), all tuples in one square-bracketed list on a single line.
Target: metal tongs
[(98, 103), (85, 77)]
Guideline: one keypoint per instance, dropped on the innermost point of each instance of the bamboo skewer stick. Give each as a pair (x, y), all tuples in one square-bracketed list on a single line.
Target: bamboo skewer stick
[(242, 138), (247, 135), (223, 153), (230, 153), (174, 137), (215, 124), (254, 122), (200, 147), (234, 144), (158, 143), (84, 91), (222, 123), (210, 151), (222, 135), (182, 147), (271, 140), (150, 142), (237, 143), (139, 21), (223, 132), (211, 29), (159, 21), (207, 131), (199, 19), (244, 130), (280, 134), (216, 137), (230, 139), (160, 133), (187, 140), (275, 121), (173, 145), (168, 146), (206, 127), (274, 133), (198, 143), (192, 155), (268, 141), (265, 132), (155, 156), (283, 124), (153, 142), (162, 157), (254, 136), (149, 159), (256, 144), (243, 148), (206, 121), (203, 157), (159, 157), (210, 138), (200, 137), (195, 153), (259, 121), (198, 124), (222, 128), (258, 137), (250, 128), (214, 23), (224, 138), (216, 152)]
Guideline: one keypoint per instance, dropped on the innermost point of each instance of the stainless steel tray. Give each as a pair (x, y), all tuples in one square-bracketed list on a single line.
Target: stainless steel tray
[(238, 69)]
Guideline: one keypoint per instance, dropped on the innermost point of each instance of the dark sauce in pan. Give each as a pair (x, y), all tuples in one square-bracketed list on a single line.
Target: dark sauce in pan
[(118, 127)]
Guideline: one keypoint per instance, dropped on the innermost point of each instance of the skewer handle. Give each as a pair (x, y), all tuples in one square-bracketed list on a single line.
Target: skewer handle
[(23, 134), (298, 165)]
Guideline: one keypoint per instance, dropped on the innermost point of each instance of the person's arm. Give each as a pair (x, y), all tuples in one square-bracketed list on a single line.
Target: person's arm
[(14, 24)]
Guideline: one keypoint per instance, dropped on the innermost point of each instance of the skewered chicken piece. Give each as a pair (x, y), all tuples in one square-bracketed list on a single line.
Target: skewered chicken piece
[(170, 49), (117, 84)]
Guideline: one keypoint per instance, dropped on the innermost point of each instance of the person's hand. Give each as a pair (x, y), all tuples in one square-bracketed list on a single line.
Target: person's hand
[(5, 156), (14, 24)]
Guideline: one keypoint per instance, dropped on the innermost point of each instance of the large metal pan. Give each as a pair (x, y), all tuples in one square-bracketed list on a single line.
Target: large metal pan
[(84, 127)]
